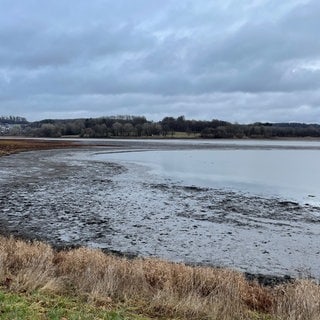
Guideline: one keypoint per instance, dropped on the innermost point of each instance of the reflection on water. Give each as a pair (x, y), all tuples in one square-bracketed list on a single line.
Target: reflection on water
[(292, 174)]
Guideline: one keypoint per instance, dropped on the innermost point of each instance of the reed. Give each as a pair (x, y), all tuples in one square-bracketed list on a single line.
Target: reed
[(153, 287)]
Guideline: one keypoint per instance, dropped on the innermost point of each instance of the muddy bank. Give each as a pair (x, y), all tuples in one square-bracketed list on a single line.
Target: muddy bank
[(68, 199), (11, 146)]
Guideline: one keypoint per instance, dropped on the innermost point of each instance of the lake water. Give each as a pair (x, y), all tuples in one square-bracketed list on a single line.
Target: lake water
[(292, 174)]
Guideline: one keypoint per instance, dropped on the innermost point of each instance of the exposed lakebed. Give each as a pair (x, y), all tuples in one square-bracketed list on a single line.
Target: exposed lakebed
[(87, 197)]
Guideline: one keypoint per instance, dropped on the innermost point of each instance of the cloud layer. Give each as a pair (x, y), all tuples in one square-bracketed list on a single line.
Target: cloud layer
[(238, 61)]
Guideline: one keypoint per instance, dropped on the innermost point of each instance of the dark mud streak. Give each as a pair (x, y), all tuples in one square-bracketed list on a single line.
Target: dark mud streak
[(220, 207)]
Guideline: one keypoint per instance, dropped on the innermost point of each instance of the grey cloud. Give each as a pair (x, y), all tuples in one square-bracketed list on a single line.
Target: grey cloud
[(33, 48), (229, 59), (237, 106), (258, 53)]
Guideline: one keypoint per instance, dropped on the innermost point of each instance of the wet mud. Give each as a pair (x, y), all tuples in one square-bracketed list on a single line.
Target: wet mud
[(68, 199)]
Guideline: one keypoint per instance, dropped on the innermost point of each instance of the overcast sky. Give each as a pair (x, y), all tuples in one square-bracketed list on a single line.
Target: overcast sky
[(240, 61)]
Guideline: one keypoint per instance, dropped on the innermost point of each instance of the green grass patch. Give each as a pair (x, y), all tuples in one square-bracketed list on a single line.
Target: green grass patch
[(38, 306), (183, 135)]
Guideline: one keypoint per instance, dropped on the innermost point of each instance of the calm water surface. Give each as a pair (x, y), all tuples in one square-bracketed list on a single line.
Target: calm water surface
[(290, 174)]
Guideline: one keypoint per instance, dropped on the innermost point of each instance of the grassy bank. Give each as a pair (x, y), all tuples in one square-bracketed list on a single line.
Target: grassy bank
[(39, 306), (88, 284)]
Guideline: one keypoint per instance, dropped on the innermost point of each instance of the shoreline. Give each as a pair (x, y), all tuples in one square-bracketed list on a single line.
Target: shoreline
[(126, 145), (265, 280), (164, 138), (261, 278), (145, 288), (10, 146)]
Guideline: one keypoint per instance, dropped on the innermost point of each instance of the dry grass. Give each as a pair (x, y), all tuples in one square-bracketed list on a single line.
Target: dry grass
[(154, 287), (298, 301)]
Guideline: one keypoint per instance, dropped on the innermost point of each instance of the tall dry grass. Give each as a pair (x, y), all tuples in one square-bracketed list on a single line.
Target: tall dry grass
[(154, 287), (298, 301)]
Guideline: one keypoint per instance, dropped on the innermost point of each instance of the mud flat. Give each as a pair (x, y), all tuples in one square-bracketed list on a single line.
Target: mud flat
[(68, 198), (15, 145)]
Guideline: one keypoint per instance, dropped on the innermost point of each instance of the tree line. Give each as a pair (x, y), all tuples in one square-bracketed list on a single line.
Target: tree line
[(12, 120), (139, 126)]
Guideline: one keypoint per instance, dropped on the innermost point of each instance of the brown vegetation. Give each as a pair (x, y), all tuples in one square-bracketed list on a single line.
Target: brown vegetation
[(9, 146), (154, 287)]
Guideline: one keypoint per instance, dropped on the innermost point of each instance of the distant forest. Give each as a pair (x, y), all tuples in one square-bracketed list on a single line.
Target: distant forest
[(12, 120), (170, 127)]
